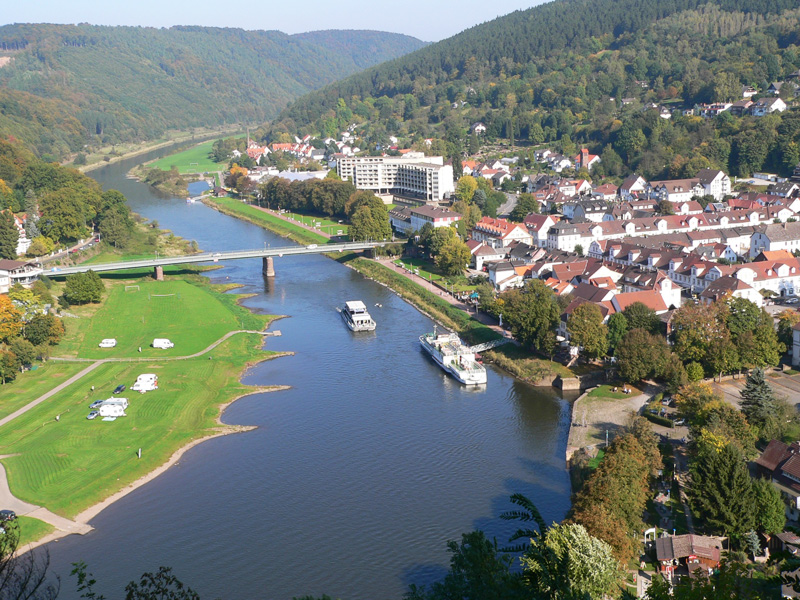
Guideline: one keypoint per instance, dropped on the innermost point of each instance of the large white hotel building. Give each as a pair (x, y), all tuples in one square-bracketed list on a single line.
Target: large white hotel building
[(412, 175)]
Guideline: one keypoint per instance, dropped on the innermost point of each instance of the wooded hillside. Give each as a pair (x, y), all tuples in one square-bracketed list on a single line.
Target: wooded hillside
[(111, 84)]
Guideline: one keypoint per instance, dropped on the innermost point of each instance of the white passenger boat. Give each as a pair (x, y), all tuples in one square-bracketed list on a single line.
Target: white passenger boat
[(453, 356), (356, 316)]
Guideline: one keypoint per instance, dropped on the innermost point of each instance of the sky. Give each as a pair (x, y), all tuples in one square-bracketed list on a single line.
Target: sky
[(428, 20)]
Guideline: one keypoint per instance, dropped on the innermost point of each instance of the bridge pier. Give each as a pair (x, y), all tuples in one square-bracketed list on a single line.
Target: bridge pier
[(158, 273), (268, 266)]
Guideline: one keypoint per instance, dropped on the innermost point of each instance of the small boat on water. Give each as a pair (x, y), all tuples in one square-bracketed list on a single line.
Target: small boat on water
[(453, 356), (356, 316)]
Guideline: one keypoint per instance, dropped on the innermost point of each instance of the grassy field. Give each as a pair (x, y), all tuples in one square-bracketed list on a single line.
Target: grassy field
[(192, 160), (325, 225), (249, 213), (31, 529), (73, 463), (158, 309), (421, 267), (31, 384), (523, 364)]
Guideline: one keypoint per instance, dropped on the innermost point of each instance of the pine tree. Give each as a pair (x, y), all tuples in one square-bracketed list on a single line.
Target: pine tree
[(721, 490), (9, 236), (759, 404)]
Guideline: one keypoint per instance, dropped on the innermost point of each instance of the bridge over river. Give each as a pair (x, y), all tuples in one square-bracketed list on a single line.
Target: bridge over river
[(267, 255)]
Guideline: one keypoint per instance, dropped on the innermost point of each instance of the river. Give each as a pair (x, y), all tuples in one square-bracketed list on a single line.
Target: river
[(356, 477)]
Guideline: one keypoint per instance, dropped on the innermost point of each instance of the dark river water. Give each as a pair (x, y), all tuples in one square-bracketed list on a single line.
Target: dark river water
[(356, 477)]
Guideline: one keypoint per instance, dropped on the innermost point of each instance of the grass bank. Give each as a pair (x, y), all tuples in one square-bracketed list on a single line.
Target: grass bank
[(473, 331), (236, 208), (31, 529), (31, 384), (72, 463), (523, 365)]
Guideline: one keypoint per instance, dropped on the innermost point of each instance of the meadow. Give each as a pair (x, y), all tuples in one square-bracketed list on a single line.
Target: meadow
[(175, 309), (70, 463), (192, 160)]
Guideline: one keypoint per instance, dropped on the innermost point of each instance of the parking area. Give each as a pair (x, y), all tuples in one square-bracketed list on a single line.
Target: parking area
[(784, 385)]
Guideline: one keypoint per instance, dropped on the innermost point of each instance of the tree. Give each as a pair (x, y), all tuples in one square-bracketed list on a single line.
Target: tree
[(44, 329), (162, 584), (787, 319), (586, 329), (9, 366), (532, 314), (10, 319), (82, 288), (617, 328), (763, 409), (771, 514), (721, 490), (569, 564), (641, 355), (526, 204), (465, 188), (641, 316), (477, 570), (440, 237), (698, 330), (370, 223), (24, 351), (694, 371), (453, 257), (9, 236), (528, 513)]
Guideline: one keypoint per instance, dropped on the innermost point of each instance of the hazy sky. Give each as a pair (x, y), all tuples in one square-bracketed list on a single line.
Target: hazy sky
[(429, 20)]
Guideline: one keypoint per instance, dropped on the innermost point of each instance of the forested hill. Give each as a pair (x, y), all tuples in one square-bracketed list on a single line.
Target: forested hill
[(568, 55), (129, 83)]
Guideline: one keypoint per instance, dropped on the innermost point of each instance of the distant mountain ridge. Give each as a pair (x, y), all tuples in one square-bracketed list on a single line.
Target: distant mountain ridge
[(132, 83)]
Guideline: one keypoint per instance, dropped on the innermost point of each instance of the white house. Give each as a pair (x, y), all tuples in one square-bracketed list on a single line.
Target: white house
[(715, 183), (500, 233), (17, 271), (435, 215), (776, 236), (766, 106)]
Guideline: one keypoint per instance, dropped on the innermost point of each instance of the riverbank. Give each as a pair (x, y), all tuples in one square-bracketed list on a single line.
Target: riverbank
[(97, 462), (144, 148)]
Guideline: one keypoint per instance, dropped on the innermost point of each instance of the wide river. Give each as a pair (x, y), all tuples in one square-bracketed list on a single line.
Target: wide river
[(356, 477)]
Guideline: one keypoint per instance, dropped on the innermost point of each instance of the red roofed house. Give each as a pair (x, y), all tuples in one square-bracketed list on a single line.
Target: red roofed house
[(650, 298), (584, 159), (499, 233), (694, 552)]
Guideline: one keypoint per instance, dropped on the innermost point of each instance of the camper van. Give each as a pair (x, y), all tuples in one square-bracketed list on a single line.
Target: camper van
[(111, 410), (108, 343), (162, 343), (145, 383), (123, 402)]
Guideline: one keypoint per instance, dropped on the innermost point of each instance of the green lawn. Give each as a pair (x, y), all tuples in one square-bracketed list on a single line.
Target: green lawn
[(605, 392), (193, 160), (595, 462), (189, 315), (31, 384), (71, 464), (252, 214), (425, 267), (324, 225), (31, 529)]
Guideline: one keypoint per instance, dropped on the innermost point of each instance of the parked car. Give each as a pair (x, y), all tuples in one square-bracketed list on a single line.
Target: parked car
[(680, 422), (96, 404), (92, 415), (792, 300), (119, 388), (7, 515)]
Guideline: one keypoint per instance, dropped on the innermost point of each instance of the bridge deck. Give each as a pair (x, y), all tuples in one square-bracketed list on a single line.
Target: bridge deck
[(205, 257)]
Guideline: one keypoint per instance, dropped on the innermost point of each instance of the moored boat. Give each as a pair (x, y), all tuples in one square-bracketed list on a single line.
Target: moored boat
[(453, 356), (355, 315)]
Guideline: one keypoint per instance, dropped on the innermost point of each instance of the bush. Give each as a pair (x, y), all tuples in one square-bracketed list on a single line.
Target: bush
[(83, 288), (658, 420), (658, 397), (695, 372)]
